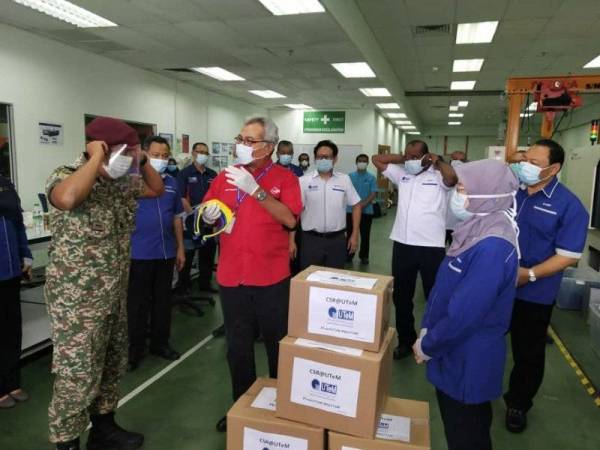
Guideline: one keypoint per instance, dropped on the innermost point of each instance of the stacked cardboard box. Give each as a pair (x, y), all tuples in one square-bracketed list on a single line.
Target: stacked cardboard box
[(335, 371)]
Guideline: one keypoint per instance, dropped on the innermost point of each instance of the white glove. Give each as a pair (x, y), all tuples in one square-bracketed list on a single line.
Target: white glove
[(211, 214), (242, 179)]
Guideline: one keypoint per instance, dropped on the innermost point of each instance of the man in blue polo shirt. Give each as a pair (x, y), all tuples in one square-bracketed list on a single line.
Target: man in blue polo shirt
[(365, 184), (194, 182), (156, 246), (285, 155), (553, 226)]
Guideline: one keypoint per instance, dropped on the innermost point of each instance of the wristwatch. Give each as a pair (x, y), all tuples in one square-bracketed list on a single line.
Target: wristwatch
[(261, 196), (532, 277)]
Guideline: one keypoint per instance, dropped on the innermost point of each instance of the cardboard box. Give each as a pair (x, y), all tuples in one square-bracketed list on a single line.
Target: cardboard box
[(417, 412), (339, 388), (340, 307), (251, 423)]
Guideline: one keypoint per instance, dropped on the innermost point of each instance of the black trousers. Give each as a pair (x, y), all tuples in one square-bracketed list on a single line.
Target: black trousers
[(528, 330), (365, 233), (11, 335), (323, 251), (206, 262), (467, 427), (407, 262), (248, 310), (149, 299)]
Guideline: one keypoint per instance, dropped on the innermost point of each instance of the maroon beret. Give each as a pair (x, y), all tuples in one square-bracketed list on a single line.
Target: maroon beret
[(112, 131)]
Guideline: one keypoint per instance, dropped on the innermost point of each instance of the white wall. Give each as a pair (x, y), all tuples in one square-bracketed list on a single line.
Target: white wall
[(46, 81)]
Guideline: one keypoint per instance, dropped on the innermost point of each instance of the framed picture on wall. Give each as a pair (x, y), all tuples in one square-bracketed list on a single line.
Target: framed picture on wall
[(168, 137), (185, 143)]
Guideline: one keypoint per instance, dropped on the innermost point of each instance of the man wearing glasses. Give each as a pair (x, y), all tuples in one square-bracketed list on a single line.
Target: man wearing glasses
[(326, 194), (253, 270)]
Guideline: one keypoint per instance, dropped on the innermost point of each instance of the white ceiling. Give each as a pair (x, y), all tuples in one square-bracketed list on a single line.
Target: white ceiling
[(292, 54)]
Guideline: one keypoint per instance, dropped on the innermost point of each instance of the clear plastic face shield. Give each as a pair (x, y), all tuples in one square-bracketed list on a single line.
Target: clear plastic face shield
[(123, 160)]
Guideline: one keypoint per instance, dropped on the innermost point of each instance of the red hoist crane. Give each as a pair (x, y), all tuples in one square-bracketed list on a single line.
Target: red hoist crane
[(552, 94)]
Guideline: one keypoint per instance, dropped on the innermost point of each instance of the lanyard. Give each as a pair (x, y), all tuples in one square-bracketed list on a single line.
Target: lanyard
[(240, 197)]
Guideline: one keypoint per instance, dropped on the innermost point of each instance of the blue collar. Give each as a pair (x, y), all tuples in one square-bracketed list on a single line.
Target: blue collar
[(550, 187)]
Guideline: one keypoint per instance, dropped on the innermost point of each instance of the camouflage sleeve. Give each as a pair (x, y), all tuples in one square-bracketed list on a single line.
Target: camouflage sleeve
[(136, 186), (56, 177)]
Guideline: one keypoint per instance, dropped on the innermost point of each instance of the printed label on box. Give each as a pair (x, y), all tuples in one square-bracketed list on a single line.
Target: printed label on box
[(342, 314), (266, 399), (393, 428), (329, 388), (257, 440), (350, 448), (331, 347), (339, 279)]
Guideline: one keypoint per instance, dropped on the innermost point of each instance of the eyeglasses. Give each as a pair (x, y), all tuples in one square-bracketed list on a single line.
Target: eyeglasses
[(239, 139), (324, 157)]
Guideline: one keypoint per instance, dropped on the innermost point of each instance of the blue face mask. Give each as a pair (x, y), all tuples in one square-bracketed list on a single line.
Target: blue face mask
[(324, 165), (530, 173), (160, 165), (413, 166), (172, 167), (285, 160), (458, 207)]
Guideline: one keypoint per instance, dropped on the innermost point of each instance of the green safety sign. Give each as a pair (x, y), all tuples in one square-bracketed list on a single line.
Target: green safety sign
[(324, 121)]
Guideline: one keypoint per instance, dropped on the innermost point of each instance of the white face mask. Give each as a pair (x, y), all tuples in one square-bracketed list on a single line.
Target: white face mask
[(202, 159), (244, 154), (160, 165), (456, 162), (304, 163), (118, 166), (362, 165), (413, 166)]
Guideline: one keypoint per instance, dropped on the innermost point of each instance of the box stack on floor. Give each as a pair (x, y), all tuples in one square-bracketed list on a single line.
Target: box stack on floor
[(334, 374)]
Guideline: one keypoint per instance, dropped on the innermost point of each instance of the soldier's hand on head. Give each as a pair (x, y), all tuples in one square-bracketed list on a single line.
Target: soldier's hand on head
[(96, 147)]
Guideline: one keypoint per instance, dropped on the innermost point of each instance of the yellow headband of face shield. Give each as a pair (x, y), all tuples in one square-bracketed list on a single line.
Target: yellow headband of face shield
[(222, 224)]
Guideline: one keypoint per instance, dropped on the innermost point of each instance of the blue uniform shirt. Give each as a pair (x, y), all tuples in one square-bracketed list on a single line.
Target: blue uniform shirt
[(194, 184), (296, 170), (468, 314), (365, 184), (551, 221), (154, 235)]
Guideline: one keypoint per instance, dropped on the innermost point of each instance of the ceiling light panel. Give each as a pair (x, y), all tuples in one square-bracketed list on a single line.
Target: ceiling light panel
[(408, 127), (456, 115), (467, 65), (298, 106), (403, 122), (267, 94), (463, 104), (462, 85), (68, 12), (396, 115), (375, 92), (354, 70), (593, 64), (476, 33), (388, 105), (218, 73), (288, 7), (453, 107), (454, 123)]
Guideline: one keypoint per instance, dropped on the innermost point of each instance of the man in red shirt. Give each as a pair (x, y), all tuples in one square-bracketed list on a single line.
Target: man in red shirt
[(253, 271)]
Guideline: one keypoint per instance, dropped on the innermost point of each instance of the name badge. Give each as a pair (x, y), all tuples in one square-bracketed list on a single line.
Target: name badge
[(313, 187)]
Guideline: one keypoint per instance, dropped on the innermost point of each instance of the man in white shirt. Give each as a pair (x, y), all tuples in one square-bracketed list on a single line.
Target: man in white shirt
[(326, 194), (419, 231)]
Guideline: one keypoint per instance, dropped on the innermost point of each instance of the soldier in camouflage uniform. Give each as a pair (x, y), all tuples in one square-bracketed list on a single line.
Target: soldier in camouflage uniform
[(91, 219)]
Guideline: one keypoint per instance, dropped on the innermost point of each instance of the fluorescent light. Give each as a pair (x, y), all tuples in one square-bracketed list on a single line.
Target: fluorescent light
[(218, 73), (526, 114), (463, 104), (462, 85), (456, 115), (532, 106), (403, 122), (388, 105), (476, 33), (298, 106), (413, 132), (467, 65), (354, 70), (408, 127), (593, 64), (375, 92), (68, 12), (286, 7), (454, 123), (396, 115), (267, 94), (453, 108)]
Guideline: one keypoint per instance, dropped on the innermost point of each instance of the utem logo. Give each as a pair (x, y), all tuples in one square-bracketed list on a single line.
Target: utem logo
[(328, 388), (341, 314)]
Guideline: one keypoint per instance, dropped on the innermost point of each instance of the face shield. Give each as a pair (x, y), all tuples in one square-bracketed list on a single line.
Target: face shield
[(123, 160)]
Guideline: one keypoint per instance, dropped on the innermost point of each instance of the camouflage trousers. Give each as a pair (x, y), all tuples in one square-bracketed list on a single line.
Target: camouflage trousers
[(89, 360)]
